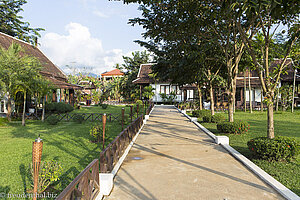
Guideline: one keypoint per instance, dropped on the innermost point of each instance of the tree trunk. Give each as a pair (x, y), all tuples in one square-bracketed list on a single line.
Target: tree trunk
[(231, 99), (200, 97), (211, 94), (261, 100), (24, 108), (245, 92), (250, 92), (230, 110), (43, 113), (234, 103), (8, 108), (294, 84), (270, 121), (277, 100)]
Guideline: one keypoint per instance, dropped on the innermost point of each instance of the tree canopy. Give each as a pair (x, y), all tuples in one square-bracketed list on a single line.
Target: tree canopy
[(11, 22)]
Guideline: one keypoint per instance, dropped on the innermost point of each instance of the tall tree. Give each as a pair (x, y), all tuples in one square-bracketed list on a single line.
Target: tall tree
[(18, 72), (176, 23), (11, 22), (131, 68), (266, 17)]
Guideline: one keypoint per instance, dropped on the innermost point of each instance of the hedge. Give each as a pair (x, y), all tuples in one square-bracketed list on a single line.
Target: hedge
[(278, 148)]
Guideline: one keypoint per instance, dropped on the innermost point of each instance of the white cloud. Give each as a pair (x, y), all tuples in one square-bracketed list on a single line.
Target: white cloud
[(79, 49)]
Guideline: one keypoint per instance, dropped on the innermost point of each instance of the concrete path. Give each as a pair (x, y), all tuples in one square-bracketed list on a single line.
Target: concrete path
[(173, 159)]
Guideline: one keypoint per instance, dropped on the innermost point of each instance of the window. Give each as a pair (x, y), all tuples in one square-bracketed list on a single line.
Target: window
[(165, 89), (174, 89)]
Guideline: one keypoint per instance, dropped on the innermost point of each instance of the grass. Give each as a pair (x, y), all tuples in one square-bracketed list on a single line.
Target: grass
[(68, 142), (286, 124), (99, 109)]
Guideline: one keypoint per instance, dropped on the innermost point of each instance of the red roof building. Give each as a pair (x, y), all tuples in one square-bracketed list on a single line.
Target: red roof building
[(113, 73)]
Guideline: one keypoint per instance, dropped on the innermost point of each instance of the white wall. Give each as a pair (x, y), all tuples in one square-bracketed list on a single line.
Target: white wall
[(256, 92), (157, 98), (3, 104)]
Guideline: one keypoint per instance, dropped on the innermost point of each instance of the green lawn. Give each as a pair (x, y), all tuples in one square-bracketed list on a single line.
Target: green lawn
[(67, 142), (286, 124), (99, 109)]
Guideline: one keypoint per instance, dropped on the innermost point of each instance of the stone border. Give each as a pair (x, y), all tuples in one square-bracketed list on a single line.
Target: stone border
[(106, 179), (224, 142)]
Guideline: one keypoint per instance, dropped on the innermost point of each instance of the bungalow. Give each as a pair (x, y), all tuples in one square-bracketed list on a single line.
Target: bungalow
[(182, 93), (256, 94), (64, 91), (113, 73), (88, 87)]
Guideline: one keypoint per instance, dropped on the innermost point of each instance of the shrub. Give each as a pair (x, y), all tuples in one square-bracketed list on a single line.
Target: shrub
[(50, 171), (217, 118), (139, 102), (207, 118), (3, 121), (52, 120), (200, 113), (59, 107), (104, 106), (78, 118), (96, 132), (237, 127), (278, 148)]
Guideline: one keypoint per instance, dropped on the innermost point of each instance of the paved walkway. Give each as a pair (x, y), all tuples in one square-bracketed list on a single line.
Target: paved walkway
[(173, 159)]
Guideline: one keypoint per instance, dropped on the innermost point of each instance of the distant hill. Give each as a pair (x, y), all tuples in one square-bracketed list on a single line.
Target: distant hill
[(90, 74)]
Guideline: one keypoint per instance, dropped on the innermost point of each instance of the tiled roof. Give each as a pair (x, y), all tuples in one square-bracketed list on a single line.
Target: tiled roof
[(48, 67), (143, 75), (63, 84), (255, 82), (115, 72)]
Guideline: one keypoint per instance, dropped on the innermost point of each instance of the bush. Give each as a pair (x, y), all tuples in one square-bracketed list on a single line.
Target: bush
[(278, 148), (96, 132), (59, 107), (217, 118), (200, 113), (104, 106), (237, 127), (3, 121), (207, 118), (50, 171), (52, 120), (78, 118), (139, 102)]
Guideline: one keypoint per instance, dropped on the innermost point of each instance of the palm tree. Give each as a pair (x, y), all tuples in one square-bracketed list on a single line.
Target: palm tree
[(18, 72)]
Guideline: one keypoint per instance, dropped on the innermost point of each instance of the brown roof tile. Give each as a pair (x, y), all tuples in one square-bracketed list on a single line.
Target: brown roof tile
[(49, 69)]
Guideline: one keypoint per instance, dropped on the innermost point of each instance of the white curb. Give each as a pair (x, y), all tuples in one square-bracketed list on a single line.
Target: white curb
[(224, 142)]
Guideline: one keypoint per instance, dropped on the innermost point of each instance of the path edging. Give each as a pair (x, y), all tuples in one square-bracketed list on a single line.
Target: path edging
[(276, 185), (106, 179)]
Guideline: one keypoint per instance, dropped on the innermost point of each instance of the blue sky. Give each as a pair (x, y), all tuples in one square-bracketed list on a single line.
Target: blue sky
[(90, 34)]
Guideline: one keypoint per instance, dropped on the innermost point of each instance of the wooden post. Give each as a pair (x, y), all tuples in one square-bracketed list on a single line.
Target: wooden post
[(140, 92), (103, 127), (123, 110), (37, 149), (137, 110), (131, 114)]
